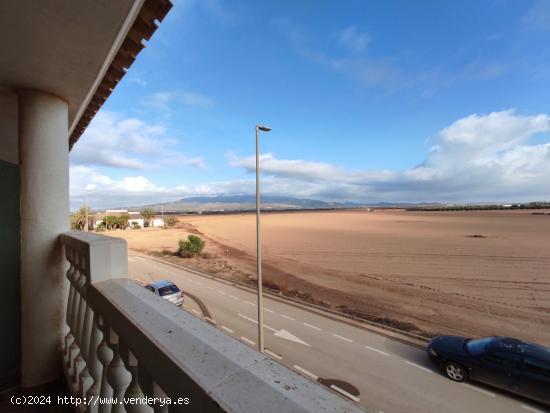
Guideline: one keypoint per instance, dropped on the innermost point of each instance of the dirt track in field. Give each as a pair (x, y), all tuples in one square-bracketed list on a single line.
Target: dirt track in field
[(471, 273)]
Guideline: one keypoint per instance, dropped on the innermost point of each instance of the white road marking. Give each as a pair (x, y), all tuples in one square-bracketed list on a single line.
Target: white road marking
[(221, 292), (247, 318), (287, 335), (270, 328), (199, 283), (248, 341), (195, 311), (488, 393), (377, 351), (210, 288), (349, 340), (233, 297), (227, 329), (248, 302), (268, 310), (209, 319), (531, 409), (272, 354), (185, 305), (311, 326), (287, 317), (345, 393), (418, 366), (306, 372)]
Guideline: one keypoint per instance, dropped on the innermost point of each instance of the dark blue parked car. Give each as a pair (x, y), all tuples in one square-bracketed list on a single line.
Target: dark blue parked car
[(503, 362)]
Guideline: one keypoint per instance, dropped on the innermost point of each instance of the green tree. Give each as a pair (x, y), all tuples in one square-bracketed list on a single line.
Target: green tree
[(148, 214), (78, 219), (113, 222), (190, 247)]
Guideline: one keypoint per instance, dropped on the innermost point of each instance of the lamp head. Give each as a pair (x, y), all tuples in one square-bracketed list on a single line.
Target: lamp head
[(263, 128)]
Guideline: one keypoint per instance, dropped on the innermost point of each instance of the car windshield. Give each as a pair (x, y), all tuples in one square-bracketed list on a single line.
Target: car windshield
[(477, 346), (170, 289)]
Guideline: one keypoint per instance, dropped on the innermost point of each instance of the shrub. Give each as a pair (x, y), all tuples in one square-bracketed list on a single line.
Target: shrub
[(100, 227), (190, 247), (170, 221), (135, 225)]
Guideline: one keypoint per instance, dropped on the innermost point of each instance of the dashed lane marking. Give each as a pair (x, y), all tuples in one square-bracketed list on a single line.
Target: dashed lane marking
[(211, 320), (306, 372), (233, 297), (488, 393), (287, 317), (345, 393), (247, 318), (248, 302), (272, 354), (349, 340), (227, 329), (312, 326), (418, 366), (221, 292), (195, 311), (248, 341), (377, 351), (268, 310)]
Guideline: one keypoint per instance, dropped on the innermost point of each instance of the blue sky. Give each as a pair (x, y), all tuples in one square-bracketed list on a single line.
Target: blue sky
[(368, 100)]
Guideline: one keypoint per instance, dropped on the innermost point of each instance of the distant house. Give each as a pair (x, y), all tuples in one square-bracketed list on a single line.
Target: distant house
[(137, 218), (156, 222), (134, 217)]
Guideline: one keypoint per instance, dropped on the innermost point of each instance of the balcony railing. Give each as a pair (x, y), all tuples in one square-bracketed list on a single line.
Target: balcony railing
[(126, 349)]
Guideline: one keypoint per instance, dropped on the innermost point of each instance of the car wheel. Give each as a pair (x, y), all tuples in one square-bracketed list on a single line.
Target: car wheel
[(454, 371)]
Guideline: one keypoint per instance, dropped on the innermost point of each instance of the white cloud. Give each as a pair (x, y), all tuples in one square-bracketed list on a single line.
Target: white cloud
[(164, 101), (477, 158), (131, 143), (354, 40), (488, 157)]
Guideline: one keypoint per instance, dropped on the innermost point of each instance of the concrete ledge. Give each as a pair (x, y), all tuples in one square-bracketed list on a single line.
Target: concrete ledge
[(189, 358)]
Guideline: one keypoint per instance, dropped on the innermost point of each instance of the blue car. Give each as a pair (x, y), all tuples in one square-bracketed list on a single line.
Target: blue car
[(507, 363)]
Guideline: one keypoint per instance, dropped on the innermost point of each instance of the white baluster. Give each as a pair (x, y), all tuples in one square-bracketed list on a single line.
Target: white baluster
[(117, 375), (75, 361), (80, 363), (134, 389), (68, 336), (105, 356), (85, 378), (94, 365)]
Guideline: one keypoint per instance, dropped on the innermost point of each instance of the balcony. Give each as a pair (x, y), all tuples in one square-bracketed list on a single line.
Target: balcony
[(122, 342)]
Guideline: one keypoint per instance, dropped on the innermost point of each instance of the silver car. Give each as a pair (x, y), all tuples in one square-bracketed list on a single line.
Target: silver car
[(167, 290)]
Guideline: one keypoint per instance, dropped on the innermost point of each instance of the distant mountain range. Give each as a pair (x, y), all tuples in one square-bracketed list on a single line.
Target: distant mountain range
[(234, 203)]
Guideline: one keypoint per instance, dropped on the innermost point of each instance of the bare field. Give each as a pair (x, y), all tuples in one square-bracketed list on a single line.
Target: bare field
[(471, 273)]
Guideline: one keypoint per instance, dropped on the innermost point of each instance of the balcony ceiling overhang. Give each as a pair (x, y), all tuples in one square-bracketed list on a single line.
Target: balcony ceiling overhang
[(75, 49)]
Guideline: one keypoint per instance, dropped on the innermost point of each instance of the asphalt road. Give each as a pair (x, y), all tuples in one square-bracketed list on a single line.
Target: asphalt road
[(379, 373)]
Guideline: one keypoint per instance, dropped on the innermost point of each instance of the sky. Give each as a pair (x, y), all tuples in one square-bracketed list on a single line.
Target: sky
[(368, 101)]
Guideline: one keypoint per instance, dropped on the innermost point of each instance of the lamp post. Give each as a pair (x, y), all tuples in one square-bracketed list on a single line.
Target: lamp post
[(259, 240)]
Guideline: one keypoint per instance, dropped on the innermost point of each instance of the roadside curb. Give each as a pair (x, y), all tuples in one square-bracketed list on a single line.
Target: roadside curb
[(380, 329)]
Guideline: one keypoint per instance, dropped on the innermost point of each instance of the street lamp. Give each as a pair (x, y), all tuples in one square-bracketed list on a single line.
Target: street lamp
[(259, 240)]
